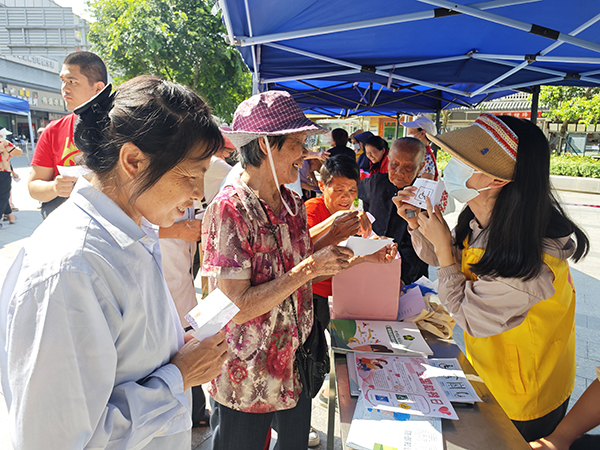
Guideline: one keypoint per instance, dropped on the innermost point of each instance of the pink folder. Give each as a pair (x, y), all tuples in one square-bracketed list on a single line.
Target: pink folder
[(367, 291)]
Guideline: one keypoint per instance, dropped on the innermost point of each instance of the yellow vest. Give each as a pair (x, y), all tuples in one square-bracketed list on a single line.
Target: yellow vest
[(530, 369)]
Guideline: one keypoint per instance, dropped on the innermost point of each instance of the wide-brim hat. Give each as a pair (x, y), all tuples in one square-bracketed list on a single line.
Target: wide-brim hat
[(4, 132), (422, 122), (488, 145), (271, 113)]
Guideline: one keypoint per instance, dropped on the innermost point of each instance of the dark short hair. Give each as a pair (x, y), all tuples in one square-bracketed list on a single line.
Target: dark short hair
[(378, 142), (252, 155), (90, 65), (340, 137), (165, 120), (339, 166)]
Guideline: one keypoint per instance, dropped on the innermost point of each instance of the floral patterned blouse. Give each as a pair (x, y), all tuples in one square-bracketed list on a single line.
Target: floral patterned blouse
[(430, 164), (259, 376)]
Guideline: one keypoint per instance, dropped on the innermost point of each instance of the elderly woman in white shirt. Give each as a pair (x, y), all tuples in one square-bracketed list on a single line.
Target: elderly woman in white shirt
[(92, 352)]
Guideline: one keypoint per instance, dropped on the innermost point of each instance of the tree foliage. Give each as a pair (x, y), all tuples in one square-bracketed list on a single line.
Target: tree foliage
[(178, 40), (571, 103)]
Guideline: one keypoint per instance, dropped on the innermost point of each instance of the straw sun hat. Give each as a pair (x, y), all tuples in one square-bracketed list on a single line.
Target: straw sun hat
[(488, 146), (271, 113)]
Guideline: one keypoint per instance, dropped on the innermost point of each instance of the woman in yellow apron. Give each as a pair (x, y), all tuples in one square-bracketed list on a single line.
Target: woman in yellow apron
[(503, 273)]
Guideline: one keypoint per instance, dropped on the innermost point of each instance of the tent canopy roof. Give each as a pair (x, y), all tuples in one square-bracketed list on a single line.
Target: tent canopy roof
[(13, 105), (468, 51)]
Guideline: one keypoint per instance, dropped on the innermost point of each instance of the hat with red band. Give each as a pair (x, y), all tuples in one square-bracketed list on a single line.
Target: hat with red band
[(271, 113), (488, 145)]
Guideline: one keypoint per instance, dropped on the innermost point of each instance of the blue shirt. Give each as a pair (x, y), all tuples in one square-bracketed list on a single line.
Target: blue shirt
[(87, 332)]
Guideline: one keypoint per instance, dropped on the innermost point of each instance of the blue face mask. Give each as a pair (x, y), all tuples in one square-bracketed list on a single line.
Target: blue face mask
[(456, 175)]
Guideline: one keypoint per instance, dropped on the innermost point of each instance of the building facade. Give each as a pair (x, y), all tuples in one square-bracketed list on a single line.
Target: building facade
[(35, 37)]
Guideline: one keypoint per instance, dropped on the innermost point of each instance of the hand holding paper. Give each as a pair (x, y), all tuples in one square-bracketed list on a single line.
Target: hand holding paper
[(435, 191), (361, 246), (211, 314)]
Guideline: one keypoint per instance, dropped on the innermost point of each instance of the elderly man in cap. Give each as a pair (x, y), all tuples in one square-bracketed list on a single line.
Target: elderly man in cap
[(419, 129), (257, 249), (406, 159)]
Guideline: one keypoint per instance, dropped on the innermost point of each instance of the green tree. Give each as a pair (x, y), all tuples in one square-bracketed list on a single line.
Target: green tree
[(571, 104), (179, 40)]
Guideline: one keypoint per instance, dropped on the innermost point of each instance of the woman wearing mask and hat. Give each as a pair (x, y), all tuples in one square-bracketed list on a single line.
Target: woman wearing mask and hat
[(257, 250), (504, 274), (361, 155)]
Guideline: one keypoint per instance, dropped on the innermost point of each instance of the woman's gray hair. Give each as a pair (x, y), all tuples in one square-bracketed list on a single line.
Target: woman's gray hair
[(252, 155)]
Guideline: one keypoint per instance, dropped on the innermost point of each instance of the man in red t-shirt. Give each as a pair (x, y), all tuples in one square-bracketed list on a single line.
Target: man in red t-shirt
[(330, 219), (83, 75)]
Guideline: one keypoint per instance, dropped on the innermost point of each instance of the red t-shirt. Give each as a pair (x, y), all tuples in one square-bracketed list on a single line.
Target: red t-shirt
[(56, 146), (317, 212)]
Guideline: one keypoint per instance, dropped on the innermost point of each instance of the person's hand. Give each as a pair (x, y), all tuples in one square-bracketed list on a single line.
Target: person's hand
[(383, 256), (401, 206), (346, 224), (201, 361), (322, 156), (187, 230), (330, 261), (365, 224), (63, 186), (545, 444), (435, 229), (15, 175)]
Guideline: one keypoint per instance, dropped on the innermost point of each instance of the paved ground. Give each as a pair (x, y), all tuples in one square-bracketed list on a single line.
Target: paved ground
[(586, 275)]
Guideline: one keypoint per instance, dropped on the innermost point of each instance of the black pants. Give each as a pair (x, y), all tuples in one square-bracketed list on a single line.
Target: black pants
[(48, 207), (5, 184), (543, 426)]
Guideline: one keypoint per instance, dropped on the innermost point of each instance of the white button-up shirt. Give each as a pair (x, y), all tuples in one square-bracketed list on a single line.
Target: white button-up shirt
[(87, 330)]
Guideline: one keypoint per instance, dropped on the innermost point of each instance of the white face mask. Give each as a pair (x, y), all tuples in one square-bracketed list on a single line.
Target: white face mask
[(356, 146), (456, 175), (276, 180)]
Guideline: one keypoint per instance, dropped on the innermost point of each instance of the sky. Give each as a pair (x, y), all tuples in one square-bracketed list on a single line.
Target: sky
[(79, 7)]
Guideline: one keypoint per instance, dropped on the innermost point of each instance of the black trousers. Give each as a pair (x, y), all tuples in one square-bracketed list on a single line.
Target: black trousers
[(5, 184), (543, 426)]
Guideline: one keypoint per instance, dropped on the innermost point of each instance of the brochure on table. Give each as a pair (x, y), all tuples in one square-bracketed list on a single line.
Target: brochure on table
[(452, 379), (393, 338), (399, 384), (375, 428)]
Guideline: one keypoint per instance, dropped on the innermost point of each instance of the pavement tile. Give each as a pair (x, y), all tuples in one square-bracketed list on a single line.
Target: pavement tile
[(581, 349), (586, 368)]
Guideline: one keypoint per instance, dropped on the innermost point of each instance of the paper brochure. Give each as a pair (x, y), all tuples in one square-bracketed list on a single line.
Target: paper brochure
[(452, 379), (211, 314), (392, 338), (373, 428), (435, 191), (399, 384)]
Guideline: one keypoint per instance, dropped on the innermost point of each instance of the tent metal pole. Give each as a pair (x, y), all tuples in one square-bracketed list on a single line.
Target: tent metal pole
[(587, 74), (512, 23), (311, 76), (397, 125), (535, 100), (31, 137), (245, 41), (522, 85), (227, 21), (359, 68), (490, 58), (256, 75), (559, 59), (424, 62), (545, 51)]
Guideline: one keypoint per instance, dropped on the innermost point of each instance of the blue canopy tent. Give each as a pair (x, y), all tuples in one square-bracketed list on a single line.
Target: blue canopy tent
[(14, 105), (452, 53)]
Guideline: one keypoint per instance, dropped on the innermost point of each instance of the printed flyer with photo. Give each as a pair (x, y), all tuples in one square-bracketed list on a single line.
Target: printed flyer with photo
[(399, 384), (392, 338)]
